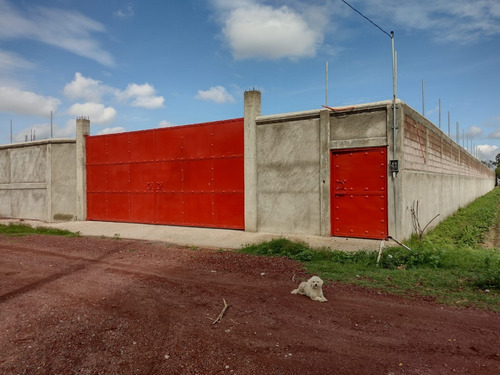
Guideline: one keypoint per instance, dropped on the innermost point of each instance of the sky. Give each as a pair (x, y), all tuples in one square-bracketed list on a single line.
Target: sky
[(142, 64)]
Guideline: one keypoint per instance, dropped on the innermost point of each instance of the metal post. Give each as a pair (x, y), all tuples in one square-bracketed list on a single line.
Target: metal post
[(51, 127), (423, 98), (449, 125), (326, 84), (458, 134), (10, 131), (394, 126), (394, 95), (439, 113)]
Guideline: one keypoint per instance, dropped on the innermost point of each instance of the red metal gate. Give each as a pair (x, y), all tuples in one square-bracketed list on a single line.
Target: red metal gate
[(359, 192), (187, 175)]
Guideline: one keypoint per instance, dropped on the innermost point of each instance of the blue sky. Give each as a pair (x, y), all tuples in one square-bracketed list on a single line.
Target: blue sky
[(142, 64)]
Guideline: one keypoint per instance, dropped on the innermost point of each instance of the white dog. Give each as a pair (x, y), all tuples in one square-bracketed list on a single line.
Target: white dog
[(313, 288)]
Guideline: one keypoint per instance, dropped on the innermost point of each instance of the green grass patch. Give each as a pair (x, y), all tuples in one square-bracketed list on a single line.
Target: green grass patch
[(13, 229), (449, 265)]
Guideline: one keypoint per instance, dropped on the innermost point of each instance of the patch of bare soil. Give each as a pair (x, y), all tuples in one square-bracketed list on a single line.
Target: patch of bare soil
[(104, 306), (492, 238)]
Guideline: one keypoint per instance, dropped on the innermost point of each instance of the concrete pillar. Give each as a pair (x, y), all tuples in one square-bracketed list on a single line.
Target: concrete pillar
[(48, 179), (324, 172), (251, 112), (82, 130)]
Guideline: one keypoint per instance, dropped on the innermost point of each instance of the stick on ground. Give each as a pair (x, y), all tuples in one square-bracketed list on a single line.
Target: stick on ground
[(219, 318)]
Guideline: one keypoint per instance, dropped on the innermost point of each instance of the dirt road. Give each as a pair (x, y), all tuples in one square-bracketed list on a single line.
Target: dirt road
[(105, 306)]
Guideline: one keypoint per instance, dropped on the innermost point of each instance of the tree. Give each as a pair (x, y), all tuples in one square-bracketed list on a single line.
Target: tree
[(497, 160)]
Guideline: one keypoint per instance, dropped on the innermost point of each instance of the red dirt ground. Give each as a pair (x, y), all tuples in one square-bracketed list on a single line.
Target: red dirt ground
[(106, 306)]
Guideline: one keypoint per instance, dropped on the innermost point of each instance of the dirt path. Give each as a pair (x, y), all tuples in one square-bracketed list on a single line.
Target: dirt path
[(104, 306)]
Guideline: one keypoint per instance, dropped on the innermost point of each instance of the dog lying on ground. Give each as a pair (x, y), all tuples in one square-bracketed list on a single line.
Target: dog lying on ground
[(313, 288)]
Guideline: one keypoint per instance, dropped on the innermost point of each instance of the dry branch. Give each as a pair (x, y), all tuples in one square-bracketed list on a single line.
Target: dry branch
[(219, 318)]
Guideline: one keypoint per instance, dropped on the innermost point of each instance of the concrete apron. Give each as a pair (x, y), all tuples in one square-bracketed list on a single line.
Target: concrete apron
[(199, 237)]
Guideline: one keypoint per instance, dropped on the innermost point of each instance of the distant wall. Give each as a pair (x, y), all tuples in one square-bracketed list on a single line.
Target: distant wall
[(38, 180), (435, 172)]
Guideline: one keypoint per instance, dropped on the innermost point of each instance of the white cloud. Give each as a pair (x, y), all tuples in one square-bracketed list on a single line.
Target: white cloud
[(86, 88), (493, 122), (68, 30), (116, 129), (495, 134), (43, 131), (10, 61), (458, 21), (487, 152), (14, 100), (165, 124), (217, 94), (97, 113), (126, 12), (474, 131), (94, 91), (141, 96), (260, 31)]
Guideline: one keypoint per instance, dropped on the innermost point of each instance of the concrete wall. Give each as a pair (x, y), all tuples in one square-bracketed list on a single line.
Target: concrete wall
[(292, 190), (435, 172), (38, 180), (288, 174)]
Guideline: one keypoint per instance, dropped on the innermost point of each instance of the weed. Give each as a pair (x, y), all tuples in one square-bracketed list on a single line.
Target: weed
[(282, 247), (447, 265), (14, 229)]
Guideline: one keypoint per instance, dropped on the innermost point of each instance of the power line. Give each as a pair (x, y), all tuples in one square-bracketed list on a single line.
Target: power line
[(366, 18)]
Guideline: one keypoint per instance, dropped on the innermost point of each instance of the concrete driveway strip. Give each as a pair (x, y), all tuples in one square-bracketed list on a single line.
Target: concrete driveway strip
[(199, 237)]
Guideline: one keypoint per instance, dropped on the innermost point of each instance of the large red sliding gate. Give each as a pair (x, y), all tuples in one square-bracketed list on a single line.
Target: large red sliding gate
[(187, 175)]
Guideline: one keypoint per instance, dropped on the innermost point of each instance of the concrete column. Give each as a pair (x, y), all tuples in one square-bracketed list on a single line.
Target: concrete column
[(324, 172), (82, 130), (252, 111), (48, 179)]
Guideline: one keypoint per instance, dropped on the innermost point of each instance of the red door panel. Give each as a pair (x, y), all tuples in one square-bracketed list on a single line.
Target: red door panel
[(228, 175), (229, 210), (169, 176), (142, 146), (169, 208), (359, 192), (189, 175)]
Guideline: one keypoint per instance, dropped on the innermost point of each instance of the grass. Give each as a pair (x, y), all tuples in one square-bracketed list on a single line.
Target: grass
[(13, 229), (450, 265)]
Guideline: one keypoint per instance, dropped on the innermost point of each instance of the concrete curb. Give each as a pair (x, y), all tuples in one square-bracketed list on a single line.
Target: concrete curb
[(199, 237)]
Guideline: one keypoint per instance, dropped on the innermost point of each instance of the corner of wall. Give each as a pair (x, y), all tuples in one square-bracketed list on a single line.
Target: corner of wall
[(252, 110), (82, 130)]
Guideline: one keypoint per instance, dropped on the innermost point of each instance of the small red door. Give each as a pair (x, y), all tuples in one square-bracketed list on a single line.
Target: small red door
[(359, 192)]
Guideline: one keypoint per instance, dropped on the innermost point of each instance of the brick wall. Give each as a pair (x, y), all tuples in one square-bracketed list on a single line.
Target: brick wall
[(429, 150)]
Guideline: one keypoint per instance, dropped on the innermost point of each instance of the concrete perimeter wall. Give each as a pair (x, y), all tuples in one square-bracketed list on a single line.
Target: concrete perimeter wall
[(288, 173), (435, 172), (291, 193), (38, 180)]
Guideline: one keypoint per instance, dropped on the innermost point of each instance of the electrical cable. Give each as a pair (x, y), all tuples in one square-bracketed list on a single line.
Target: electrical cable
[(366, 18)]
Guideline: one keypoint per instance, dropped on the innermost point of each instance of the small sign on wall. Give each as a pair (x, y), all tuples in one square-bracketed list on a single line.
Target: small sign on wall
[(394, 166)]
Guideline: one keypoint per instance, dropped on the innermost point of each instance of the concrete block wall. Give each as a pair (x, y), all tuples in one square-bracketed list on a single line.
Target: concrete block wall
[(293, 163), (291, 191), (288, 180), (435, 172), (38, 180)]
